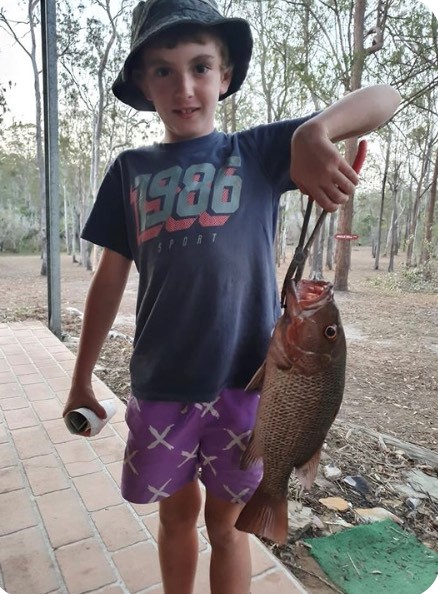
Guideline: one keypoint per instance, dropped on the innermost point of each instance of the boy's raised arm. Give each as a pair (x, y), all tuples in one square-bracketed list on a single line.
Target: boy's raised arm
[(317, 167)]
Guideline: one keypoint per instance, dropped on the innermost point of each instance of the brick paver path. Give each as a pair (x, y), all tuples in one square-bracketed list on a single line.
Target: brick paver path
[(64, 527)]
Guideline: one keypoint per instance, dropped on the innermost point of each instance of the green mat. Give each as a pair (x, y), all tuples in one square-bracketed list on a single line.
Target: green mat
[(378, 558)]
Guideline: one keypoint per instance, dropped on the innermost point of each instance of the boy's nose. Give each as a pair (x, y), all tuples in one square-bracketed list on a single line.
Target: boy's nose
[(184, 86)]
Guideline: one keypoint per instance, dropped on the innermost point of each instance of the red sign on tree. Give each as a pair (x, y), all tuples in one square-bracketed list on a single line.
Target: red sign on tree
[(346, 236)]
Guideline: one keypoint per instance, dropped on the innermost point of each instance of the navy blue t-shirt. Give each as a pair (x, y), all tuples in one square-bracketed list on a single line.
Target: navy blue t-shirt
[(198, 218)]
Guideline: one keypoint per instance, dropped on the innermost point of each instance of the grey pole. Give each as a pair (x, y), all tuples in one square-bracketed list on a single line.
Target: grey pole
[(50, 86)]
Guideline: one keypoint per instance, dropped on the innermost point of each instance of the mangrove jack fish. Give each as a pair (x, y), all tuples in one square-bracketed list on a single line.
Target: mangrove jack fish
[(301, 384)]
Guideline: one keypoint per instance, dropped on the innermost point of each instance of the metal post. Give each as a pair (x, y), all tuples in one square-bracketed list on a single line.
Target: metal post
[(48, 34)]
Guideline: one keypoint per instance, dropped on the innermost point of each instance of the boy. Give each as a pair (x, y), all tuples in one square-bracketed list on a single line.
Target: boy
[(197, 214)]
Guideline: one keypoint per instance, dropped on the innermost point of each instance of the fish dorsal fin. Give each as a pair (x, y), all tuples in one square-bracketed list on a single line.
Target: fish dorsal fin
[(306, 473), (257, 380)]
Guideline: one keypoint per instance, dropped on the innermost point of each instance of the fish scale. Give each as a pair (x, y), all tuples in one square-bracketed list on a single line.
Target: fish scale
[(301, 385), (318, 413)]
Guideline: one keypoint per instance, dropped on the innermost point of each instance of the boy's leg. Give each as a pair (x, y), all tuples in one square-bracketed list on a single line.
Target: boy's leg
[(228, 423), (230, 568), (178, 539), (161, 464)]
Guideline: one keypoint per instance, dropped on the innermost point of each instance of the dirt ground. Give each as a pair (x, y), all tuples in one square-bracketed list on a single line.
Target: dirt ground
[(391, 388)]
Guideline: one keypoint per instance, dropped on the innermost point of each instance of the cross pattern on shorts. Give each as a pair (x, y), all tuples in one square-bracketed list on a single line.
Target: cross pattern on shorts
[(208, 407), (159, 438), (207, 461), (128, 459), (158, 491), (189, 455), (237, 440)]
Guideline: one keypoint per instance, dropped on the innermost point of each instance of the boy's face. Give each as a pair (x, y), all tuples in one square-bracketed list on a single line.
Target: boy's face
[(184, 83)]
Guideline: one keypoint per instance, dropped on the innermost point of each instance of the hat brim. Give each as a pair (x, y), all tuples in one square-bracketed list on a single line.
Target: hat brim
[(235, 31)]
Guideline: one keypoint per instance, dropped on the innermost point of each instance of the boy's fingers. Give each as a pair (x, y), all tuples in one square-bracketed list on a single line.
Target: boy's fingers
[(348, 172), (345, 185), (322, 198), (95, 407), (100, 411)]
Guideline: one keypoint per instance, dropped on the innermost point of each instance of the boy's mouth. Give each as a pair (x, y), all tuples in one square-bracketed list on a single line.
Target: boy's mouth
[(186, 112)]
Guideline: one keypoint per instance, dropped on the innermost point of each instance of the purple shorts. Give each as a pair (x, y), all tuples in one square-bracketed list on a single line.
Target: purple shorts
[(170, 444)]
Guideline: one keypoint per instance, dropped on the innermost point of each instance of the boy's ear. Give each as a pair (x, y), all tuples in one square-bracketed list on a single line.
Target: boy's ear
[(227, 75)]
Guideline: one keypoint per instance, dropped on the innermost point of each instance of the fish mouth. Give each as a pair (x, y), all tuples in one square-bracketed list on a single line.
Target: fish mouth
[(309, 295)]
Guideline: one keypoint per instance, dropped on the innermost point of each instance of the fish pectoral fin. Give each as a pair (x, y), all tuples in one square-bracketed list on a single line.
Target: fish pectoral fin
[(257, 380), (251, 455), (306, 473), (265, 516)]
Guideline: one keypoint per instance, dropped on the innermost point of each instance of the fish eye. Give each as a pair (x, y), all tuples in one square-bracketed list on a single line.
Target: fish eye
[(331, 332)]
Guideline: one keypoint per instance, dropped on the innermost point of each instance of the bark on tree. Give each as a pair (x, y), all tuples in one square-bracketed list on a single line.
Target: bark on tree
[(419, 193), (32, 54), (316, 271), (330, 241), (382, 203), (426, 251), (343, 249), (393, 233), (359, 53)]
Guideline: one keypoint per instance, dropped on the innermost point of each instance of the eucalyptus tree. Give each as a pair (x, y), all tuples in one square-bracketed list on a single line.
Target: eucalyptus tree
[(427, 250), (89, 64), (74, 144), (395, 185), (19, 180), (409, 59), (424, 140), (384, 176), (25, 35), (308, 53)]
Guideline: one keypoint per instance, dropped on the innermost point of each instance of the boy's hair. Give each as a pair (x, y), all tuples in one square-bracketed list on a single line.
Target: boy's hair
[(171, 38), (168, 22)]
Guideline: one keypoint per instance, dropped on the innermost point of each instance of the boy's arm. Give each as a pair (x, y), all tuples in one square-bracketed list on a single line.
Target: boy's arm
[(101, 306), (317, 167)]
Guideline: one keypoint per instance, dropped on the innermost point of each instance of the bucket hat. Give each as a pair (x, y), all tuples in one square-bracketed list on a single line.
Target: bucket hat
[(152, 17)]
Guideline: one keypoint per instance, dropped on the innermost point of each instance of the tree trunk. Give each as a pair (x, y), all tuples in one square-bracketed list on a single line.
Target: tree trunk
[(330, 241), (32, 4), (343, 250), (382, 203), (429, 217), (416, 209), (393, 233), (316, 272), (345, 221)]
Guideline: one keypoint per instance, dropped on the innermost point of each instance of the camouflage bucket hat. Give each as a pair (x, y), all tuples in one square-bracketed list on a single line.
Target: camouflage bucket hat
[(152, 17)]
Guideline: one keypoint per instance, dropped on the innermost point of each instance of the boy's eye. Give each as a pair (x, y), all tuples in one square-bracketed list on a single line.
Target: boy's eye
[(201, 68), (162, 71)]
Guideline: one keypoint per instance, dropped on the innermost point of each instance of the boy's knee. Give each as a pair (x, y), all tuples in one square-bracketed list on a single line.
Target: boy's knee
[(180, 511), (222, 534)]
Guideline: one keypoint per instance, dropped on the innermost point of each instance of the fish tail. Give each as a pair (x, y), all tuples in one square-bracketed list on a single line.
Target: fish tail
[(265, 516)]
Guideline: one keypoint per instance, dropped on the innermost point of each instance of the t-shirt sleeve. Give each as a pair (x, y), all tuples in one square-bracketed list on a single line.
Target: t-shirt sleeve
[(272, 142), (106, 224)]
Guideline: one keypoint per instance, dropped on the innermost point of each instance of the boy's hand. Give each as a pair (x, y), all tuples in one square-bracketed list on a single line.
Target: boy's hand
[(83, 397), (318, 169)]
